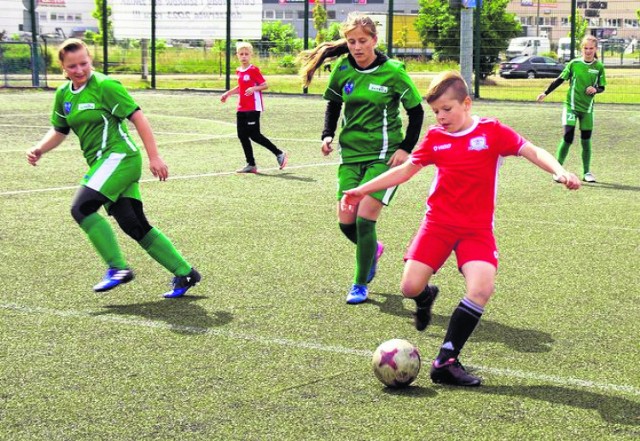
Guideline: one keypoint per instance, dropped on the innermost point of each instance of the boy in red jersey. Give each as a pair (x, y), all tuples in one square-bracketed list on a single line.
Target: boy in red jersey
[(467, 152), (251, 83)]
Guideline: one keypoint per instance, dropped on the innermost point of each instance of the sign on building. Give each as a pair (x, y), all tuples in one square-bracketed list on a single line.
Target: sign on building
[(187, 19)]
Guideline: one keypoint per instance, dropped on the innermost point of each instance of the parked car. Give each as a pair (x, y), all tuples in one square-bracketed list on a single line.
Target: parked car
[(527, 46), (531, 67)]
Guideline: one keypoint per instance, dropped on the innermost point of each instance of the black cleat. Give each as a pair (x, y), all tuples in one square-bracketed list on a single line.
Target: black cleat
[(182, 284), (452, 372), (422, 316)]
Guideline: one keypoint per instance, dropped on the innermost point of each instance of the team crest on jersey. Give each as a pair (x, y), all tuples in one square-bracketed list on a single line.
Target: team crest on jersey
[(67, 107), (478, 144), (246, 77), (343, 67), (348, 88), (378, 88)]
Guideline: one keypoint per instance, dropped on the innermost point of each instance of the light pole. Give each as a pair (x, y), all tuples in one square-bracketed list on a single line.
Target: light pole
[(538, 20)]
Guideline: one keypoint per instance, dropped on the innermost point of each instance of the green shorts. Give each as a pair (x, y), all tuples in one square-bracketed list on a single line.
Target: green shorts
[(115, 175), (570, 118), (354, 174)]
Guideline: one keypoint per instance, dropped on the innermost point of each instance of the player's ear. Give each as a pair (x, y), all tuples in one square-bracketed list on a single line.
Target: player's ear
[(467, 103)]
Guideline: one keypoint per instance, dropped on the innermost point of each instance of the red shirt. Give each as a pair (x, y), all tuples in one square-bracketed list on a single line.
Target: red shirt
[(463, 192), (249, 77)]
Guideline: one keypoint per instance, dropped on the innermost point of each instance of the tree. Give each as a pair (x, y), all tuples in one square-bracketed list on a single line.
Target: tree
[(333, 33), (581, 26), (97, 14), (439, 25), (402, 40), (279, 38), (320, 22)]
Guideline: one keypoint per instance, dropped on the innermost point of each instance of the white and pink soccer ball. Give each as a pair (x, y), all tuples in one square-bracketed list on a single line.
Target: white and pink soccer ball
[(396, 363)]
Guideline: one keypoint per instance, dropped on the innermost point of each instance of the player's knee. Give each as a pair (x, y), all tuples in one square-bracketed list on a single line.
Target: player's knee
[(130, 216), (481, 294), (568, 137), (80, 210), (134, 228), (411, 288), (585, 134)]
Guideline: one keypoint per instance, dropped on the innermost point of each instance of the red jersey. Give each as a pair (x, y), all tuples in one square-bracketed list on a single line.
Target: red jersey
[(463, 192), (249, 77)]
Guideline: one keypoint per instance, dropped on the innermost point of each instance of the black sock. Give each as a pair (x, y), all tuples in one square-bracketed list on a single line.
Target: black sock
[(351, 231), (463, 321), (424, 295)]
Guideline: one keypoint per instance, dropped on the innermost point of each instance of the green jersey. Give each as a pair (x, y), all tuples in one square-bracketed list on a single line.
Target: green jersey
[(371, 121), (582, 75), (97, 113)]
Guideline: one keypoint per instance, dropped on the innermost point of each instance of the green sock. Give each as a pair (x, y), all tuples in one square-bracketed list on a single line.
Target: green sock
[(158, 246), (562, 151), (103, 238), (350, 230), (586, 156), (365, 249)]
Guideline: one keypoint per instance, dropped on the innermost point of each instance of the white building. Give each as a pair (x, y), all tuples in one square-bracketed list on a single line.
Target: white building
[(69, 16)]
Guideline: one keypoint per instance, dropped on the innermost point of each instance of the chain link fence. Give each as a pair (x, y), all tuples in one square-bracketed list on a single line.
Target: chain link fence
[(182, 44)]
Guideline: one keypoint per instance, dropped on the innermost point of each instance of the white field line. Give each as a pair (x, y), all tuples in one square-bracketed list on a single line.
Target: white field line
[(173, 178), (273, 341), (173, 142)]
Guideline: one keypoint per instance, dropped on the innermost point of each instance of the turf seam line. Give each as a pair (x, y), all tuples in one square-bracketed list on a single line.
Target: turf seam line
[(561, 381), (173, 178)]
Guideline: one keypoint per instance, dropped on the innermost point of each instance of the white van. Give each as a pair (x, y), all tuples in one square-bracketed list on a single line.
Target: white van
[(525, 46), (564, 49)]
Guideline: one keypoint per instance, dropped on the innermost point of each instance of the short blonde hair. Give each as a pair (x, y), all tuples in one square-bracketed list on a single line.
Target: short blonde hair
[(71, 45), (244, 45), (445, 81)]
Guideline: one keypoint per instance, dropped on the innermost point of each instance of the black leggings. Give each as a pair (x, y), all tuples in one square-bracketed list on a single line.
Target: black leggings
[(569, 133), (128, 212), (249, 130)]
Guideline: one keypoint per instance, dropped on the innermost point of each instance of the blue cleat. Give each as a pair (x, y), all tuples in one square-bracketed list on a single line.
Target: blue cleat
[(358, 294), (181, 284), (374, 267), (113, 278)]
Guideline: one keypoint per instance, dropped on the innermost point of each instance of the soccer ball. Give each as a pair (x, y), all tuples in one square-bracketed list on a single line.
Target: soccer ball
[(396, 363)]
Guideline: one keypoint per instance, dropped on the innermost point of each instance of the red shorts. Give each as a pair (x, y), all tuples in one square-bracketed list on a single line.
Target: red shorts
[(433, 244)]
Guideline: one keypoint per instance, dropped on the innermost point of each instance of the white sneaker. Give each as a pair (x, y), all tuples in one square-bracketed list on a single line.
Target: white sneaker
[(588, 177)]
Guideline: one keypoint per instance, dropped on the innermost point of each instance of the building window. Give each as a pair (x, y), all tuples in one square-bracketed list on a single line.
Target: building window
[(630, 23), (564, 22), (613, 22)]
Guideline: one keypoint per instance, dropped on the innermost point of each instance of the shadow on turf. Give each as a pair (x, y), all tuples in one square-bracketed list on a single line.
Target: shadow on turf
[(518, 339), (183, 316), (612, 409), (288, 176), (612, 186), (414, 391)]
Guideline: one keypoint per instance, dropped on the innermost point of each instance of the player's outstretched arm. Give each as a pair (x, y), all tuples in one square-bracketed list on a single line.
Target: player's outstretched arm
[(156, 163), (228, 93), (391, 178), (548, 163), (49, 141)]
